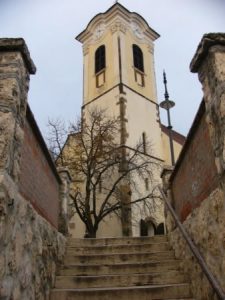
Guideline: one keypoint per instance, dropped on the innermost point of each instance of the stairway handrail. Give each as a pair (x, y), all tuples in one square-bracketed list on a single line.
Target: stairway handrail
[(213, 281)]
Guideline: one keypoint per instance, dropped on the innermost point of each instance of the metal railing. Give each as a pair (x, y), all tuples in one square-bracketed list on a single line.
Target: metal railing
[(213, 281)]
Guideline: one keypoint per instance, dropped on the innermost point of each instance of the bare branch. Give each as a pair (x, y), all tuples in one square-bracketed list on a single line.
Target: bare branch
[(95, 156)]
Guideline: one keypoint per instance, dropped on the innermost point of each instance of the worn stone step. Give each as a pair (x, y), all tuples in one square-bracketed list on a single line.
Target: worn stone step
[(170, 291), (70, 282), (116, 241), (118, 258), (121, 268), (118, 248)]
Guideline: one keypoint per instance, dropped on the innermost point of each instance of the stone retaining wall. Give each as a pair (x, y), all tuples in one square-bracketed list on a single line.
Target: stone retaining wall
[(206, 226), (205, 172), (30, 248)]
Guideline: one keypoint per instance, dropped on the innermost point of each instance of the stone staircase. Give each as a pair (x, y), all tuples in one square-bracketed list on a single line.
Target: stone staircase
[(120, 268)]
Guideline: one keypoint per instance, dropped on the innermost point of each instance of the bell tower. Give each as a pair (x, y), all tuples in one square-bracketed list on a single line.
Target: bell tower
[(119, 76), (118, 55)]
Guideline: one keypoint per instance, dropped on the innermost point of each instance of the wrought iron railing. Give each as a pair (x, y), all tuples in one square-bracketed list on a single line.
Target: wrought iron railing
[(213, 281)]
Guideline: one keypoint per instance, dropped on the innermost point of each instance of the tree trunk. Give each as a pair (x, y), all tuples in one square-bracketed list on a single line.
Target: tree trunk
[(90, 233)]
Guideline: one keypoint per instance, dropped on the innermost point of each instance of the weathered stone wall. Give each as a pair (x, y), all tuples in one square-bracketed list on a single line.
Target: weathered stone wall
[(205, 222), (206, 226), (30, 247), (209, 63)]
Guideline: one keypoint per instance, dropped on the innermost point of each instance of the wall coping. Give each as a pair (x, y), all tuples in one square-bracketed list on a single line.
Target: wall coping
[(18, 44), (208, 40)]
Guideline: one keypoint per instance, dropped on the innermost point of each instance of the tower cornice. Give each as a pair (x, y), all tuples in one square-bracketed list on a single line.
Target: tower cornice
[(114, 12)]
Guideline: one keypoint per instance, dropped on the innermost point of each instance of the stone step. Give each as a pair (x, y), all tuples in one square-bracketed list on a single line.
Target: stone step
[(127, 268), (69, 282), (153, 292), (151, 247), (118, 258), (116, 241)]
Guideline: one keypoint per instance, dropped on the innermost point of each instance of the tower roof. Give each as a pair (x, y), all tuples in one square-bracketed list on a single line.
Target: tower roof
[(117, 10)]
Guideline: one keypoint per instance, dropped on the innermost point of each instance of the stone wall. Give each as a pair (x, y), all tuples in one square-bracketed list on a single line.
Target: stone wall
[(206, 226), (204, 219), (30, 247)]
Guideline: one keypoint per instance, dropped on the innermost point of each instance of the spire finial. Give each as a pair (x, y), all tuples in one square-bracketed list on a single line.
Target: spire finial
[(116, 1)]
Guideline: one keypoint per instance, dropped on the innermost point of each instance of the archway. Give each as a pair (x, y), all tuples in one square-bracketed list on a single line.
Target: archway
[(147, 228), (160, 229)]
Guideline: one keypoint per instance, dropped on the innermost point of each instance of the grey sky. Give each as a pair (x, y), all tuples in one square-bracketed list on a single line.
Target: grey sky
[(49, 28)]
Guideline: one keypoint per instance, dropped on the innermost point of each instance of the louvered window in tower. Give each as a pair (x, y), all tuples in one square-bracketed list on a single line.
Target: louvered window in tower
[(138, 65), (100, 66)]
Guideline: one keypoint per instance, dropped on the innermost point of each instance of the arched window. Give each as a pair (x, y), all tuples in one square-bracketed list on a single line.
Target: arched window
[(99, 59), (138, 58)]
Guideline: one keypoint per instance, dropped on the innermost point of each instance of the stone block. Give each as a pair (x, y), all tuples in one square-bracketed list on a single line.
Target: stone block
[(206, 230)]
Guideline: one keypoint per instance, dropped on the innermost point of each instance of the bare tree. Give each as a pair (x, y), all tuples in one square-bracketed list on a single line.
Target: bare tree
[(56, 139), (109, 171)]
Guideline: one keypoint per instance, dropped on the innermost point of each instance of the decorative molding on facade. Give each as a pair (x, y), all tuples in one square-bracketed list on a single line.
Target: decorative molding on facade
[(101, 89), (115, 12), (151, 49), (86, 49), (124, 134), (118, 26)]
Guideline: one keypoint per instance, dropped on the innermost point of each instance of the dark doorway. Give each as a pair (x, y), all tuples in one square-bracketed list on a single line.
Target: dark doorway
[(143, 228), (160, 229), (147, 228)]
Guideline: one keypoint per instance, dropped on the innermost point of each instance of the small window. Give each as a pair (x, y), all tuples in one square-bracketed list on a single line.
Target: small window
[(100, 59), (138, 58)]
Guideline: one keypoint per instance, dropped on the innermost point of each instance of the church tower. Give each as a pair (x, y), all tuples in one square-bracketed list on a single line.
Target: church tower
[(119, 76), (118, 50)]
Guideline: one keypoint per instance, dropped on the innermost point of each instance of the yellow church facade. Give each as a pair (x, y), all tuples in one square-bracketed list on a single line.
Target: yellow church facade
[(119, 77)]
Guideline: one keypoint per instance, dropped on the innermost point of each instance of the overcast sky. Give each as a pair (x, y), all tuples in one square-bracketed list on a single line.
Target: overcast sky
[(49, 28)]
